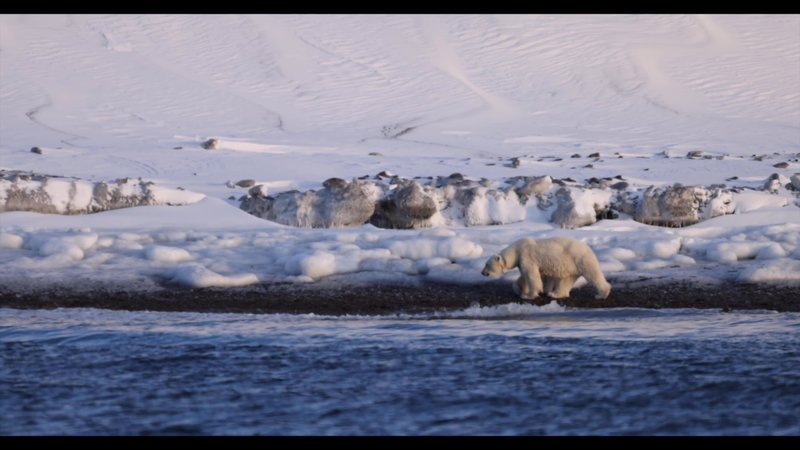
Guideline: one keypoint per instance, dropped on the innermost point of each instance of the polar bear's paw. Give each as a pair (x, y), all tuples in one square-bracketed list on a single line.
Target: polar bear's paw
[(603, 292)]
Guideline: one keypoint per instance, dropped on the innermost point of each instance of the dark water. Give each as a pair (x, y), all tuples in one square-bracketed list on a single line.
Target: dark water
[(514, 370)]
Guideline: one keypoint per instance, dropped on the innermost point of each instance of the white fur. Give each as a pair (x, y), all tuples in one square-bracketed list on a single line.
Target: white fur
[(549, 266)]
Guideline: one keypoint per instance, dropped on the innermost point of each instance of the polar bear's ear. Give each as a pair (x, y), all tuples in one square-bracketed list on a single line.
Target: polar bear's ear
[(497, 258)]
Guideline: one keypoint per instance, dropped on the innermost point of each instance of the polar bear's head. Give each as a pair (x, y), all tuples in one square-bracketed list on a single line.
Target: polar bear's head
[(494, 267)]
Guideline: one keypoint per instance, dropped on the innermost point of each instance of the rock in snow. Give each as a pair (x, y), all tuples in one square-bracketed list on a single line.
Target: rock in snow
[(679, 206), (407, 206), (211, 144), (21, 191), (458, 201), (335, 205)]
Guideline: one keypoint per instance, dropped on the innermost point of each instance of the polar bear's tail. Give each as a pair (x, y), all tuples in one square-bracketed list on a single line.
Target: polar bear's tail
[(589, 267)]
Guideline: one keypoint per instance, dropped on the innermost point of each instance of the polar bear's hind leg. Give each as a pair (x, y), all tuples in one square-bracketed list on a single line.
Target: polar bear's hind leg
[(549, 285), (563, 286)]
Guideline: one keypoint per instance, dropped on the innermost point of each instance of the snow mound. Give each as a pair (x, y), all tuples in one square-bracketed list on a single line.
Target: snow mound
[(315, 265), (735, 251), (165, 254), (197, 276), (448, 248), (70, 246)]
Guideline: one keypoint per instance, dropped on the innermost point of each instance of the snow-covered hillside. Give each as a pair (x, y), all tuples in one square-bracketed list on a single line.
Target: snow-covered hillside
[(296, 100)]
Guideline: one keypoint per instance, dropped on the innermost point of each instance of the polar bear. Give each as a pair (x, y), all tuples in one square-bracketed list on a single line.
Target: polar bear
[(549, 266)]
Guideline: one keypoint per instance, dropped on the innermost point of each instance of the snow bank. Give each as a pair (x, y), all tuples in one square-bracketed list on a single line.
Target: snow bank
[(227, 258), (173, 197), (775, 271), (750, 201)]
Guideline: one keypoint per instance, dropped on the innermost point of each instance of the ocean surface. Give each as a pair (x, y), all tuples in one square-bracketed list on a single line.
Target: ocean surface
[(507, 370)]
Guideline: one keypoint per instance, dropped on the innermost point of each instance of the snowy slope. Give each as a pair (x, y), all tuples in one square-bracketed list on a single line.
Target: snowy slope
[(295, 100)]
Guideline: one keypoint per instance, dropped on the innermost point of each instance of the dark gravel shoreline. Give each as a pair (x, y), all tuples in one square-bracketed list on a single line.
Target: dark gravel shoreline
[(338, 298)]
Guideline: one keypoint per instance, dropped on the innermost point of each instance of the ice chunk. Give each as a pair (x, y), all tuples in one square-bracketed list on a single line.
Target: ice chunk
[(8, 240)]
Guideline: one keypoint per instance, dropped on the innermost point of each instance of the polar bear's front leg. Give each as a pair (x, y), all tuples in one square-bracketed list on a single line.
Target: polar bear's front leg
[(522, 288), (519, 286), (532, 280)]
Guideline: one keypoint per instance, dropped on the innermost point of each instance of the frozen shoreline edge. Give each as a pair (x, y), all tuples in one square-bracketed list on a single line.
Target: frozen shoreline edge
[(416, 296)]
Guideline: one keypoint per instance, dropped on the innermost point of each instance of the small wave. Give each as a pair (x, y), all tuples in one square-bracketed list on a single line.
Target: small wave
[(506, 311)]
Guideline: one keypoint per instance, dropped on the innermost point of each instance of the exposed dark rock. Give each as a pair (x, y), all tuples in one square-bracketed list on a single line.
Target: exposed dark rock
[(570, 214), (773, 183), (674, 206), (36, 150), (334, 183), (535, 186), (456, 176), (620, 186), (795, 181), (406, 207), (81, 196), (246, 183), (258, 190), (781, 165), (337, 205), (211, 144), (695, 154), (594, 155), (679, 206)]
